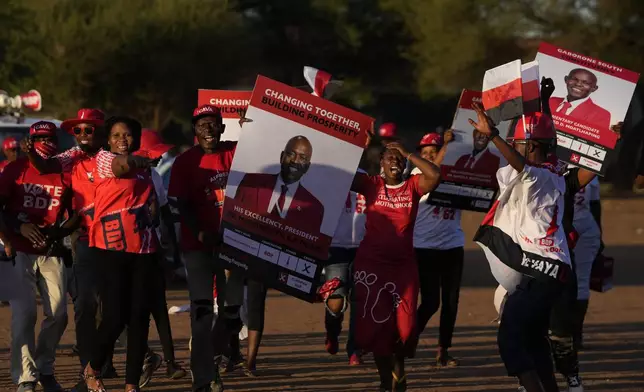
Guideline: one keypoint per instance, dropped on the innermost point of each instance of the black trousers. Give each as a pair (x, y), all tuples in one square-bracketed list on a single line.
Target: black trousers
[(86, 301), (440, 273), (125, 288), (566, 322), (159, 310), (523, 332)]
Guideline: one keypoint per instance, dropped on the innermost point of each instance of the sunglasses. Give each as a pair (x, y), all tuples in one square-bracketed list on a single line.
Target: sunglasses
[(88, 130)]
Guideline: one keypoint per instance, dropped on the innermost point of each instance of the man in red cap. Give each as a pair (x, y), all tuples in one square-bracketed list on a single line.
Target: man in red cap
[(87, 128), (33, 205), (197, 183), (10, 151)]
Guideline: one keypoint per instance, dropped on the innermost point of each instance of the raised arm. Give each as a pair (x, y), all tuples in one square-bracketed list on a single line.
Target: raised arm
[(448, 137), (430, 173), (547, 88), (485, 125), (44, 166)]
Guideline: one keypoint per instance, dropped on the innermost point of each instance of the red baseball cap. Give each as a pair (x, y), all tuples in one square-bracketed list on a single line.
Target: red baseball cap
[(42, 128), (388, 131), (205, 111), (431, 139), (9, 143), (538, 126), (87, 116), (152, 145)]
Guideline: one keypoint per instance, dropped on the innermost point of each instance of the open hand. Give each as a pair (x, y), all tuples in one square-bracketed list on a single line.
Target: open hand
[(617, 128), (242, 116), (33, 234), (399, 147), (27, 144), (483, 124), (448, 136)]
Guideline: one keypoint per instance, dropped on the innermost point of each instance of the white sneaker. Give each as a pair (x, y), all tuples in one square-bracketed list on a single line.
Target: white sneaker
[(574, 384), (243, 334), (179, 309)]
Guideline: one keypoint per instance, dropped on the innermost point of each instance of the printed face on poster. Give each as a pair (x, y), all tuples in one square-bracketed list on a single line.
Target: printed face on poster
[(293, 168), (469, 168), (590, 96), (230, 103)]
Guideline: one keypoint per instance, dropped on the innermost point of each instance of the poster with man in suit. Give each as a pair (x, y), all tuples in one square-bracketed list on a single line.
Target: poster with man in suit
[(590, 96), (282, 195), (292, 170), (468, 171)]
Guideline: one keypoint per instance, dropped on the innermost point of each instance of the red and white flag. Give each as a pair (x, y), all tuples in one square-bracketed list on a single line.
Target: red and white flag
[(531, 87), (321, 82), (502, 92)]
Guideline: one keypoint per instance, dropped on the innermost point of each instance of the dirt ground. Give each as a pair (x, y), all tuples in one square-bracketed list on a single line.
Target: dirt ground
[(292, 357)]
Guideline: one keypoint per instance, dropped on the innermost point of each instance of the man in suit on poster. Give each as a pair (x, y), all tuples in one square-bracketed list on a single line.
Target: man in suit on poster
[(281, 196), (480, 159), (577, 103)]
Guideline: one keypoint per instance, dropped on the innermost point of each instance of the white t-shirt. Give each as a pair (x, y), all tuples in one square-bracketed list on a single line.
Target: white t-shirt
[(530, 211), (351, 225), (162, 195), (583, 219), (437, 227)]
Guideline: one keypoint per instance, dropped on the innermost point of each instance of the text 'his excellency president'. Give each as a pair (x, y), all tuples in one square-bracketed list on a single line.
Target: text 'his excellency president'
[(273, 230)]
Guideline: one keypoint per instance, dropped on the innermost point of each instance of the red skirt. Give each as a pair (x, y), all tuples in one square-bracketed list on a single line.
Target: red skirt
[(386, 300)]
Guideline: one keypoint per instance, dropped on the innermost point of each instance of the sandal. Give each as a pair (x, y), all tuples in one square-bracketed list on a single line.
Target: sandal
[(100, 388), (248, 372), (399, 384)]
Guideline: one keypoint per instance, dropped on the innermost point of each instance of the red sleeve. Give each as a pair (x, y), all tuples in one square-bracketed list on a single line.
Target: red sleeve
[(104, 164), (365, 184), (8, 179), (69, 157), (177, 187), (414, 181)]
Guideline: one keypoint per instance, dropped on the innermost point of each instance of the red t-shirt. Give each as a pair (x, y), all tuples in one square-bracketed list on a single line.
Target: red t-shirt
[(123, 209), (391, 215), (3, 164), (200, 179), (84, 184), (31, 197)]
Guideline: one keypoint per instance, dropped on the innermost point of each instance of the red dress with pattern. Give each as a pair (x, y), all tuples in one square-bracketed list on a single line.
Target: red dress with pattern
[(385, 272)]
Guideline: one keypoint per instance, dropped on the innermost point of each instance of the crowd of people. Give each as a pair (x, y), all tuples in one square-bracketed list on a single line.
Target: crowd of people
[(395, 258)]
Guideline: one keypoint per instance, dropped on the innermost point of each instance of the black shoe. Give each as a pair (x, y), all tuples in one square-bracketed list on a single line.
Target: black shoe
[(49, 384), (214, 386), (151, 364), (109, 372)]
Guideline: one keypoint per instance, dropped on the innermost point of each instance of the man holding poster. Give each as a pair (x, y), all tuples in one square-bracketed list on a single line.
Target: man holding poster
[(230, 104)]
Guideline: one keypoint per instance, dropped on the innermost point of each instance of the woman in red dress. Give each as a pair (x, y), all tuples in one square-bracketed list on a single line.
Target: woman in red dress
[(124, 237), (385, 271)]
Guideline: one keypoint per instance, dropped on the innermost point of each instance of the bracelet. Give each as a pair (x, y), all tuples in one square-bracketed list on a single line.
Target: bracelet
[(495, 133), (409, 155)]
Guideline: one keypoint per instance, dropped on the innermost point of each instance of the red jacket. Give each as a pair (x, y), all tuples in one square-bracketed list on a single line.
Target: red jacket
[(486, 163), (588, 112), (305, 212)]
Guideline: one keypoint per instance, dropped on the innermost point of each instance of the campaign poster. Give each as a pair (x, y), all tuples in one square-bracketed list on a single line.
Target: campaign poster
[(231, 103), (289, 181), (468, 171), (590, 96)]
